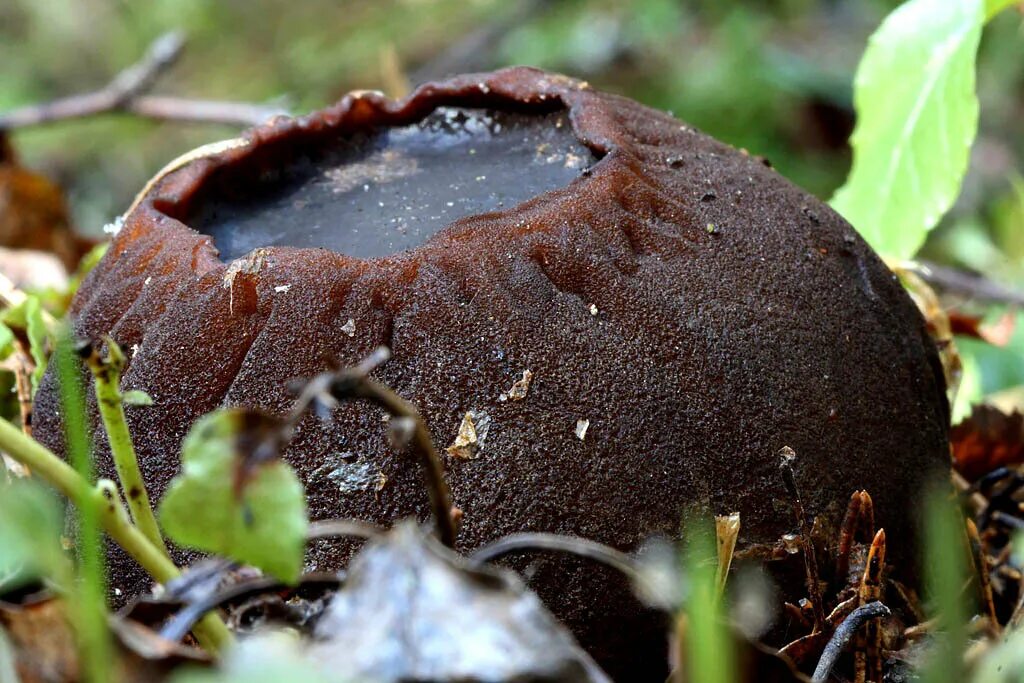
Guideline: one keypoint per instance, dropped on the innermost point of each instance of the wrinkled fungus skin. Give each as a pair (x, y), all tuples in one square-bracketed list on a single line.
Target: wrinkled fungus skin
[(735, 314)]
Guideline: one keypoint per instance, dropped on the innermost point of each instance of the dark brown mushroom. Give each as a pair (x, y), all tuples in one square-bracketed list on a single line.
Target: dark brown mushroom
[(638, 316)]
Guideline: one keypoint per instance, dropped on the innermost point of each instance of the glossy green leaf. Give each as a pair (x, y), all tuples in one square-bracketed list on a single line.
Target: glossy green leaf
[(917, 116), (223, 502)]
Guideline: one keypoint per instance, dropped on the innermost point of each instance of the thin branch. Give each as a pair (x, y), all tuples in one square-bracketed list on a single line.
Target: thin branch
[(967, 284), (323, 392), (475, 50), (166, 108), (842, 636), (786, 458), (333, 528), (984, 578), (581, 547), (162, 53), (126, 93), (186, 619)]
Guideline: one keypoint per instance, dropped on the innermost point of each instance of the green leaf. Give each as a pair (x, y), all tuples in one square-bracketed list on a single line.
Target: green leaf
[(226, 503), (28, 316), (6, 341), (30, 527), (917, 116), (137, 397), (994, 7)]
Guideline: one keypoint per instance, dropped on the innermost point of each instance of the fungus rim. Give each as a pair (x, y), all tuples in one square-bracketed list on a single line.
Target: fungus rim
[(171, 198)]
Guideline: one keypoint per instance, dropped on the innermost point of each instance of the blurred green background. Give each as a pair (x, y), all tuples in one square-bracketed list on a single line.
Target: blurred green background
[(773, 77)]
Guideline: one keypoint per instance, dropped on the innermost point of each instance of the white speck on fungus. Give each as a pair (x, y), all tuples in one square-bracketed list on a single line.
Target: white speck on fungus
[(582, 425)]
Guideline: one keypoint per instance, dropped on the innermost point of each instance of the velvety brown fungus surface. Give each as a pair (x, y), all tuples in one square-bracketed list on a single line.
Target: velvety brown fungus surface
[(683, 312)]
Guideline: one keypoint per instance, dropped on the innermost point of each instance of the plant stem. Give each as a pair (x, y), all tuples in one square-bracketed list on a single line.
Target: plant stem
[(107, 375), (211, 631)]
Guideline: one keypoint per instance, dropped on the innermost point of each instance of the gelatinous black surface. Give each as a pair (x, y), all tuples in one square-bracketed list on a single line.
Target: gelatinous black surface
[(378, 194)]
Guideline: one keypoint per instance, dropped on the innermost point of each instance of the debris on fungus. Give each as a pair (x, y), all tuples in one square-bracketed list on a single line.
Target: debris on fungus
[(519, 388), (582, 425), (472, 434)]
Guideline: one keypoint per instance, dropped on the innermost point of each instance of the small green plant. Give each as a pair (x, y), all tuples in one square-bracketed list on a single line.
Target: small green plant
[(99, 506), (235, 497)]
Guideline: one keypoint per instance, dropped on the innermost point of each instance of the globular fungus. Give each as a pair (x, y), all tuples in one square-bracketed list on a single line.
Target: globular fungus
[(644, 315)]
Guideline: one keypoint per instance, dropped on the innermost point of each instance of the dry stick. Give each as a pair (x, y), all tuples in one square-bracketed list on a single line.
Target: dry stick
[(786, 457), (475, 50), (842, 636), (125, 93), (162, 53), (984, 579), (868, 659), (23, 386), (180, 624), (211, 631), (332, 528), (166, 108), (847, 532), (355, 383), (581, 547), (967, 284)]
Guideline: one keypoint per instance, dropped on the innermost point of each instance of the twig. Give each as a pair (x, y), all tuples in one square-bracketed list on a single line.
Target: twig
[(162, 53), (167, 108), (125, 93), (332, 528), (176, 628), (475, 50), (847, 532), (573, 545), (968, 284), (324, 391), (23, 386), (868, 659), (842, 636), (786, 458), (984, 580)]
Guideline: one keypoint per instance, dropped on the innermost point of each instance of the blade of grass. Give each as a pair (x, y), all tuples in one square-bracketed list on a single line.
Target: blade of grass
[(89, 609), (945, 573), (708, 646)]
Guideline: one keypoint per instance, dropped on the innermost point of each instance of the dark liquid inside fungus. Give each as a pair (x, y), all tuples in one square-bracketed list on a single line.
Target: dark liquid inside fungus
[(384, 192)]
